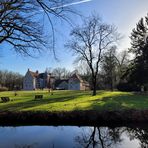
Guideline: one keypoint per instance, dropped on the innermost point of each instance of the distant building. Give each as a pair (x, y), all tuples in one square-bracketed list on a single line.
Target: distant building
[(75, 82), (61, 84), (36, 80)]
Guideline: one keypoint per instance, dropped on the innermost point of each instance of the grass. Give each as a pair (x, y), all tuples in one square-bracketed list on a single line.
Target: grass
[(73, 100)]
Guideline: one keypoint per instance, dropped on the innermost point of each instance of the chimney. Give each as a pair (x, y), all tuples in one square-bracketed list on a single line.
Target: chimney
[(28, 69)]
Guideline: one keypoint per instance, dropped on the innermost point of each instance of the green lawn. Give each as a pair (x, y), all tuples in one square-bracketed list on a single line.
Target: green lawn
[(73, 100)]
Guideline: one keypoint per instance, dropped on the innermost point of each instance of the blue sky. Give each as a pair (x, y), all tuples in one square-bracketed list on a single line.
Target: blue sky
[(124, 14)]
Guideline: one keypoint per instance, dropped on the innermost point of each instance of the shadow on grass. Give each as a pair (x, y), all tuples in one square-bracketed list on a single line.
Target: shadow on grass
[(118, 102), (18, 105), (82, 101)]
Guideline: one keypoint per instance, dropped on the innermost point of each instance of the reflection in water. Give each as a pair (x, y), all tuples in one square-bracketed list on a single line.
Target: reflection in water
[(73, 137), (99, 137), (139, 133)]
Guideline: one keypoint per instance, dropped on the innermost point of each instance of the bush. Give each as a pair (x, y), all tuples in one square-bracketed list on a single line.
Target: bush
[(3, 89), (128, 87)]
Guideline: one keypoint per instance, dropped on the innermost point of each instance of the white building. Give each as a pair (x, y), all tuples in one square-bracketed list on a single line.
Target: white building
[(75, 82), (61, 84), (36, 80)]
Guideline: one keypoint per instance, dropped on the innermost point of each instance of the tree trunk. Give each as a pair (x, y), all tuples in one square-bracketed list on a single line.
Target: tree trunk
[(100, 138), (94, 86), (94, 91), (111, 80), (111, 84)]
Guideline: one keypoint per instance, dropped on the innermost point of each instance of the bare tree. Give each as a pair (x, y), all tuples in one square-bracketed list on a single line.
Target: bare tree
[(20, 24), (123, 61), (90, 42), (61, 72)]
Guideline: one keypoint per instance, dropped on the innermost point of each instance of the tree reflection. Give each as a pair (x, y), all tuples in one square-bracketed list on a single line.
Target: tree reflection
[(140, 133), (99, 137)]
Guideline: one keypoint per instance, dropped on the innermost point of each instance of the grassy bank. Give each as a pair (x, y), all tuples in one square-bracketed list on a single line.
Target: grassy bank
[(73, 100)]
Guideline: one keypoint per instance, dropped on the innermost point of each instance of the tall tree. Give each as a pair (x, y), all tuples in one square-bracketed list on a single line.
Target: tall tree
[(138, 73), (90, 42), (109, 67)]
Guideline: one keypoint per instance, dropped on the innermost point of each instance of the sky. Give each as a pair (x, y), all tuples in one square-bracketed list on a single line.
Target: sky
[(124, 14)]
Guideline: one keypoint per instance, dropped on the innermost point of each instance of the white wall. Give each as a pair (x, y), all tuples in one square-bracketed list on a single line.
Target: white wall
[(28, 82), (63, 85), (73, 84)]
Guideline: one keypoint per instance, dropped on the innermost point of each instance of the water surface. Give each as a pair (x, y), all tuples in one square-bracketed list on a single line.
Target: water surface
[(72, 137)]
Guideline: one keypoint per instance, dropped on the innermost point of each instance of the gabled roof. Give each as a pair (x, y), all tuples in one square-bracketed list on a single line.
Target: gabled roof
[(33, 74), (76, 76)]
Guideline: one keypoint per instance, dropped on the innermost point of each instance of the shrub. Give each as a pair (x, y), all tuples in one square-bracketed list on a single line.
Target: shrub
[(128, 87)]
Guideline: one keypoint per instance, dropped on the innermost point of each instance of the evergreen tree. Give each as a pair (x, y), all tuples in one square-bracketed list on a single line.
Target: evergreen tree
[(138, 73)]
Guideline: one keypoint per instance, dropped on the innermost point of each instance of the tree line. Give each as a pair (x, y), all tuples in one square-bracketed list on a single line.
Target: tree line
[(10, 80)]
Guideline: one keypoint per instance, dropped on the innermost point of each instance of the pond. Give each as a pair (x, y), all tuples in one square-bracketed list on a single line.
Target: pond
[(73, 137)]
